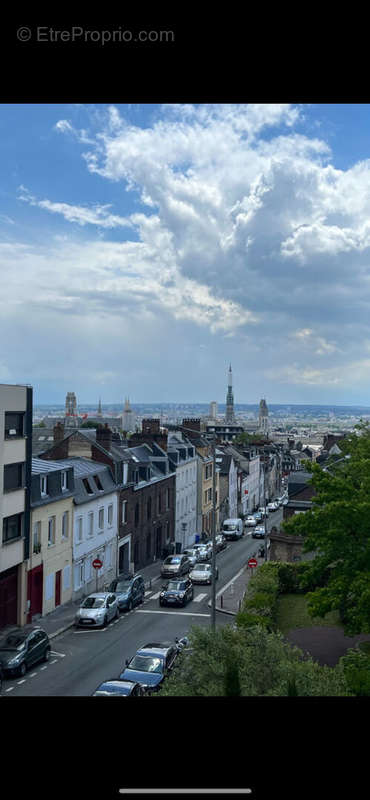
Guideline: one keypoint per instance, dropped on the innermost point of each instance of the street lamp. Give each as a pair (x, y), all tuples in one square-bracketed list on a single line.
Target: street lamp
[(184, 526)]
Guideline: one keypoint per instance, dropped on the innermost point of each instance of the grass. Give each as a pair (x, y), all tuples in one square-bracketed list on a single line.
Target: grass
[(292, 613)]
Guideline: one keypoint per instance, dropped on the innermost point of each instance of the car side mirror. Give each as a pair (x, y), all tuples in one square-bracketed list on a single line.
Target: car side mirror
[(127, 662)]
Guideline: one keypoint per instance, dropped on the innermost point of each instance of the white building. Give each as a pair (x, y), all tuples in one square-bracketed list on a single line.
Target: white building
[(183, 456), (128, 417), (95, 525)]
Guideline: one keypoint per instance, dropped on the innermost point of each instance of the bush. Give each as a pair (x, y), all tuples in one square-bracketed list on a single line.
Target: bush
[(356, 667)]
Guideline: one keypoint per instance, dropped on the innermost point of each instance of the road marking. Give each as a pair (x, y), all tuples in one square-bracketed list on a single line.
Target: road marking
[(55, 653), (22, 681), (10, 689), (149, 592), (183, 613), (42, 668), (199, 598), (54, 662), (32, 675), (155, 596)]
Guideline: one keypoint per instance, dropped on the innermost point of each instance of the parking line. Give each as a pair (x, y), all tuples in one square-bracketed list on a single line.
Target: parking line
[(54, 662), (155, 596), (199, 598), (55, 653), (42, 668), (10, 689), (32, 674), (22, 681)]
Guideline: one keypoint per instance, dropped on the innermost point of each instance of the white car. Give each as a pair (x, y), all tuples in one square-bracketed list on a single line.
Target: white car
[(97, 610), (192, 555), (262, 510), (202, 573), (272, 506), (250, 522), (203, 551)]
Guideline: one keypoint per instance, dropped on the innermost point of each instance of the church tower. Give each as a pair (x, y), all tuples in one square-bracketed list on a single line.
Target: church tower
[(230, 417), (128, 418), (71, 413), (263, 420)]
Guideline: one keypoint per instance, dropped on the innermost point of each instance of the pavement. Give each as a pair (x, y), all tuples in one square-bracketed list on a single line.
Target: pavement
[(228, 599)]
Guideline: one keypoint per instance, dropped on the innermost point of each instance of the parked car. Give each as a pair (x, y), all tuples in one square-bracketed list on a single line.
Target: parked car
[(250, 522), (97, 610), (129, 591), (262, 510), (21, 648), (177, 592), (221, 542), (233, 528), (117, 688), (175, 566), (259, 532), (258, 516), (191, 554), (151, 664), (273, 506), (202, 573)]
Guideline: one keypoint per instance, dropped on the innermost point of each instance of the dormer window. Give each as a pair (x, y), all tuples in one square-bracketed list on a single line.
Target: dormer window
[(87, 486), (43, 485), (64, 481), (98, 483)]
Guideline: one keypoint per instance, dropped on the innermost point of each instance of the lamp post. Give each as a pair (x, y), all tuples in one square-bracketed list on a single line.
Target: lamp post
[(184, 526)]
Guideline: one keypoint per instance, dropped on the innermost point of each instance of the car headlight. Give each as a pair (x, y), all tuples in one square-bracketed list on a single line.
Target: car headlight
[(14, 661), (162, 594), (182, 595)]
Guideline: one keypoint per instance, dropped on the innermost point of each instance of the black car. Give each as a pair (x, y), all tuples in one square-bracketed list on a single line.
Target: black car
[(21, 648), (151, 665), (117, 688), (176, 592)]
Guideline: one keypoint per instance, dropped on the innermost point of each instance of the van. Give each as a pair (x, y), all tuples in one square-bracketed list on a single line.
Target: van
[(232, 529)]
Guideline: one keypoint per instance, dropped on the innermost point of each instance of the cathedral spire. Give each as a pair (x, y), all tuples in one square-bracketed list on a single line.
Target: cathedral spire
[(230, 417)]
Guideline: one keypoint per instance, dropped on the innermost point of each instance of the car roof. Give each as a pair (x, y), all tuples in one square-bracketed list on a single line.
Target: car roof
[(115, 682), (25, 630), (155, 649), (98, 594)]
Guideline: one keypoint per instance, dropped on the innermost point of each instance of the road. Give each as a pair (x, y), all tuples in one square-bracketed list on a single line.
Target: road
[(82, 659)]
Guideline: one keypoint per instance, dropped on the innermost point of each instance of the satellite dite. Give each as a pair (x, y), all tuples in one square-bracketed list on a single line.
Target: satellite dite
[(185, 791)]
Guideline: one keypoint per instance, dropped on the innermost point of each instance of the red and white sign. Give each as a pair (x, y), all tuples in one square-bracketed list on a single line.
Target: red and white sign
[(97, 564), (252, 562)]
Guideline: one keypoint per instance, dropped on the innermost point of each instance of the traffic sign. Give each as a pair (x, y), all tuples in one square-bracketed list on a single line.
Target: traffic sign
[(252, 562), (97, 564)]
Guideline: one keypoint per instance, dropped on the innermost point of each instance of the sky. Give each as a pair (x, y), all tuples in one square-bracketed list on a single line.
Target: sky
[(144, 248)]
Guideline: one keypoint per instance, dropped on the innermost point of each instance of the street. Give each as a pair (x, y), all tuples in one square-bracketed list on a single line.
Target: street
[(82, 659)]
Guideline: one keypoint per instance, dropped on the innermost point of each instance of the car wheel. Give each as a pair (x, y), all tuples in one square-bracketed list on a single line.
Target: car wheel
[(22, 669), (129, 605), (117, 613), (105, 623), (47, 654)]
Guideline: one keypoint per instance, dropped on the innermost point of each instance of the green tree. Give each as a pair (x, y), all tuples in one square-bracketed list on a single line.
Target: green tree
[(337, 530)]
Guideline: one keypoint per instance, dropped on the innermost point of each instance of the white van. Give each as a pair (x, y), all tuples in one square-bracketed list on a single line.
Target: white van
[(232, 528)]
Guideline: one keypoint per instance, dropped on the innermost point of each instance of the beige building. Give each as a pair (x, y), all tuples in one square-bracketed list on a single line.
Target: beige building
[(50, 559), (205, 492)]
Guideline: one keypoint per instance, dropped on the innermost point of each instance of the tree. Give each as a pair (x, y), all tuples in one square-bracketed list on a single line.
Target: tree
[(337, 530)]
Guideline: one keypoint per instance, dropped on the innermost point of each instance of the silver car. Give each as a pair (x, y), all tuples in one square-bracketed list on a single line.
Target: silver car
[(175, 566), (203, 551), (191, 555), (97, 610), (202, 573)]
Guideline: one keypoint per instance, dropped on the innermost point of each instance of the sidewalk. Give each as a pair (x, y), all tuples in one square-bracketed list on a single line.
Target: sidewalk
[(228, 600), (62, 617)]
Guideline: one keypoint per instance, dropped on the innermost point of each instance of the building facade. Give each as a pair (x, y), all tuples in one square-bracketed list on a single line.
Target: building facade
[(184, 460), (15, 496)]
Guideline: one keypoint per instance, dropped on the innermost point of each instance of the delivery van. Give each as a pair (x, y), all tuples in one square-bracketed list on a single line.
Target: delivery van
[(233, 528)]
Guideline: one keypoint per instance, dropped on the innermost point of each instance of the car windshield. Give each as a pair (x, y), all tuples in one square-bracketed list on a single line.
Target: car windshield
[(202, 567), (175, 585), (14, 641), (120, 586), (93, 602), (107, 690), (229, 527), (146, 664), (173, 560)]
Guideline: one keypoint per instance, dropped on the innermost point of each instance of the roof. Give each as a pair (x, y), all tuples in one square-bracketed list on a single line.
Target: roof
[(39, 465)]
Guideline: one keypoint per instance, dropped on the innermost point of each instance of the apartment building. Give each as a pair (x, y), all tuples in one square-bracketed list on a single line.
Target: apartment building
[(15, 484), (183, 458)]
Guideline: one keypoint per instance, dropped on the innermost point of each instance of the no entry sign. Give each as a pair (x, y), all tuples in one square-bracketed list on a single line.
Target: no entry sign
[(97, 564), (252, 562)]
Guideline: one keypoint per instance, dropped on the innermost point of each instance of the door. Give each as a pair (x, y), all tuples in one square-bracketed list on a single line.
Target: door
[(8, 598), (123, 558), (57, 587)]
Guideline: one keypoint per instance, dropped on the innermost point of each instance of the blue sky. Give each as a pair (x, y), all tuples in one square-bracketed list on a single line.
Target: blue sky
[(145, 247)]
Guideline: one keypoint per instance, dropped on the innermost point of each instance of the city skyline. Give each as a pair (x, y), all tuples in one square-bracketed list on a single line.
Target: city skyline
[(145, 247)]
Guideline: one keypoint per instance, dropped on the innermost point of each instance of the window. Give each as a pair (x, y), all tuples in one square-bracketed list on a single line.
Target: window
[(124, 512), (149, 508), (87, 486), (90, 524), (65, 525), (101, 519), (13, 477), (110, 515), (98, 483), (159, 503), (136, 515), (64, 481), (37, 537), (43, 485), (51, 531), (12, 527), (79, 529), (13, 424), (167, 499)]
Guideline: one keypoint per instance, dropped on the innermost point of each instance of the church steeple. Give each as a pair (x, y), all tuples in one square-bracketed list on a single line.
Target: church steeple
[(100, 413), (230, 417)]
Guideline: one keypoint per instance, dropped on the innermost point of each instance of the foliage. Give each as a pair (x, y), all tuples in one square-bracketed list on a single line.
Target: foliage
[(356, 666), (88, 424), (337, 529), (260, 600), (249, 662), (292, 613)]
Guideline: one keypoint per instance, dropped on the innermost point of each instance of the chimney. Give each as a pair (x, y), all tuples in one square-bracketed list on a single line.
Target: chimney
[(104, 436), (150, 426), (58, 432)]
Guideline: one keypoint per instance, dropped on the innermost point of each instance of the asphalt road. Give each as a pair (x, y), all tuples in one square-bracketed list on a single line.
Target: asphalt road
[(82, 659)]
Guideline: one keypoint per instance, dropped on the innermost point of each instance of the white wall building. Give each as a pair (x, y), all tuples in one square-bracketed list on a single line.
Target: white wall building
[(184, 458)]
